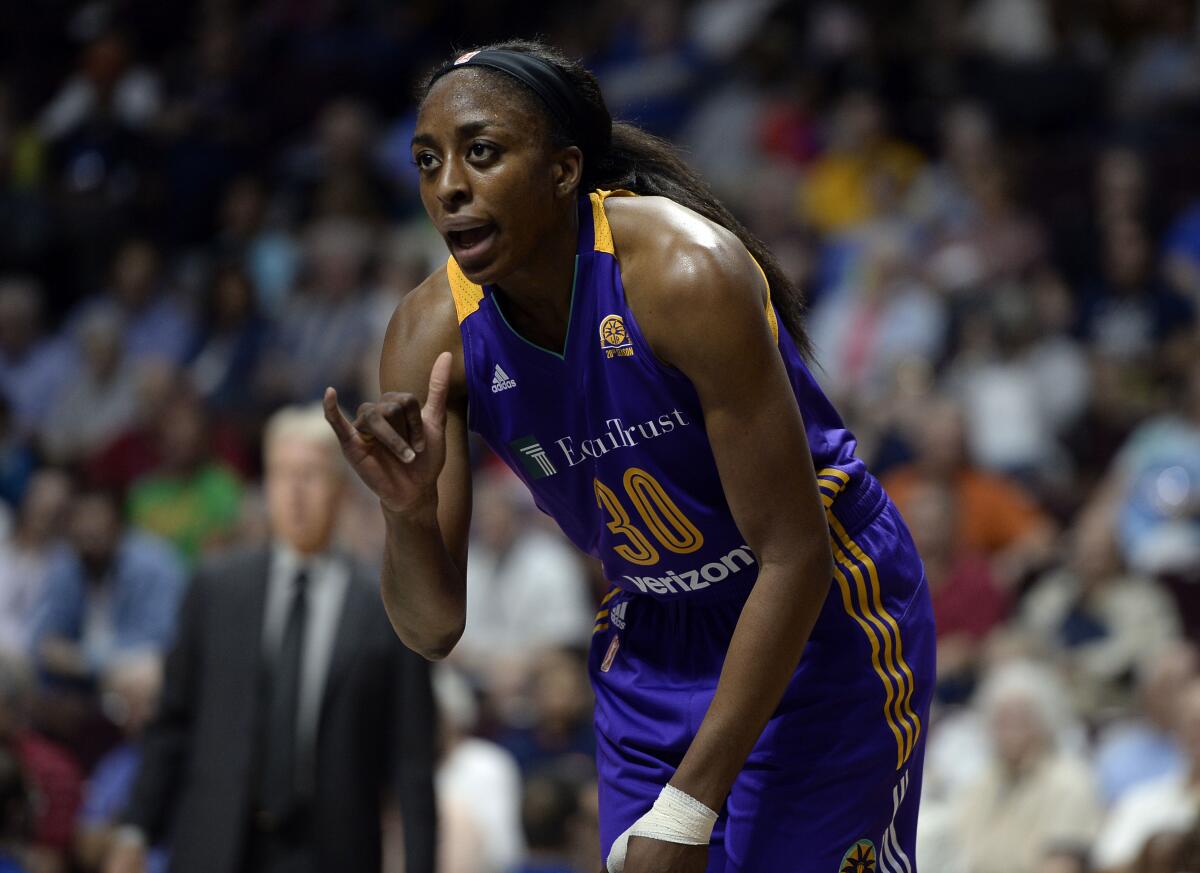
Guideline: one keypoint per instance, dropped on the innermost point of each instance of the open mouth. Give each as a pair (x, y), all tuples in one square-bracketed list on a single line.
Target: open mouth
[(472, 241)]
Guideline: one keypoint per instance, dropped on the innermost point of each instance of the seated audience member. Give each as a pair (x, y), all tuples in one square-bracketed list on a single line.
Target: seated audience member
[(17, 460), (228, 345), (558, 726), (1035, 798), (478, 787), (548, 811), (26, 554), (34, 367), (1097, 619), (1169, 804), (114, 593), (528, 587), (100, 402), (130, 697), (967, 602), (154, 325), (191, 499), (16, 815), (1151, 495), (55, 782), (1134, 751), (997, 517)]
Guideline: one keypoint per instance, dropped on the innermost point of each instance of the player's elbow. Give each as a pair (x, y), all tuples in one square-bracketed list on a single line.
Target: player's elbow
[(432, 646)]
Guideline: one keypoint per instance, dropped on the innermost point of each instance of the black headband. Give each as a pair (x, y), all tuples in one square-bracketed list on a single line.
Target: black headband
[(545, 80)]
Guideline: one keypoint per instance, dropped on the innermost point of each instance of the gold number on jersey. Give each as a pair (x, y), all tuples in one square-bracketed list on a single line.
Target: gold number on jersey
[(639, 550), (658, 512)]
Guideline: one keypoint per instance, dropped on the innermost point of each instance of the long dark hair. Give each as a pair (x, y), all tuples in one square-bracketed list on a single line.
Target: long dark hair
[(638, 161)]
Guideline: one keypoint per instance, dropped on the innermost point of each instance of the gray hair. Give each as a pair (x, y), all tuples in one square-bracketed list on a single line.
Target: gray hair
[(302, 424), (1037, 685)]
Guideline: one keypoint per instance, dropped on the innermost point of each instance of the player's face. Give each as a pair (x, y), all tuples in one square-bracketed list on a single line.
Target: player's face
[(487, 174)]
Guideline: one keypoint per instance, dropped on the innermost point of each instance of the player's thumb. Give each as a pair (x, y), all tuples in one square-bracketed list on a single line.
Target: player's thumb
[(439, 387)]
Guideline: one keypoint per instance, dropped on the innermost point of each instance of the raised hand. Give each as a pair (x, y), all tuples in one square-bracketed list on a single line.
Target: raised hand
[(396, 445)]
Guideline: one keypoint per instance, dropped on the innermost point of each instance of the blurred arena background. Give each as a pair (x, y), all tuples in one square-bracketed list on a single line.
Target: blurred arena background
[(208, 211)]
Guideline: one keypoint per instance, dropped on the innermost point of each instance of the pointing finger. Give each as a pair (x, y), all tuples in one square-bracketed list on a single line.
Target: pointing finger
[(336, 418), (439, 387)]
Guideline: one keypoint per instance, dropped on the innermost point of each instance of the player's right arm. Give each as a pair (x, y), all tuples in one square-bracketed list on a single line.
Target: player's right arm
[(410, 448)]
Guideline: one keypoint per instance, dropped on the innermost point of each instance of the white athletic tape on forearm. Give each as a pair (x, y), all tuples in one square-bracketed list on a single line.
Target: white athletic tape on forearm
[(676, 817)]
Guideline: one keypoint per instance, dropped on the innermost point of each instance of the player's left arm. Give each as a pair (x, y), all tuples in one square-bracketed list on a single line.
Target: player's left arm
[(706, 317)]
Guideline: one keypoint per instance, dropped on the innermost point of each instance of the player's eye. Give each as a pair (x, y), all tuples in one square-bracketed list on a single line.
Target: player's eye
[(426, 160), (482, 151)]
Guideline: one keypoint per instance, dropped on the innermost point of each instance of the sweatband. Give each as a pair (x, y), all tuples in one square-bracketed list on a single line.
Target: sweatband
[(676, 817)]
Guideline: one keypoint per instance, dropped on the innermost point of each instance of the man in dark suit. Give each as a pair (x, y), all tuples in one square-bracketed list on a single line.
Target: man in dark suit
[(289, 706)]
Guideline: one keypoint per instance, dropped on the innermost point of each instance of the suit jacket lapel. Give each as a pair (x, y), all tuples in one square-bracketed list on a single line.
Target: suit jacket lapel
[(352, 624), (244, 627)]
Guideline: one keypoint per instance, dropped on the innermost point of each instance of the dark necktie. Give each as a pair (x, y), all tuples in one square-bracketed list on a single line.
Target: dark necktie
[(278, 794)]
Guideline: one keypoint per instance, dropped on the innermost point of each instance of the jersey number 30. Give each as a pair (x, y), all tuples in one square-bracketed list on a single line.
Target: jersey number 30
[(658, 512)]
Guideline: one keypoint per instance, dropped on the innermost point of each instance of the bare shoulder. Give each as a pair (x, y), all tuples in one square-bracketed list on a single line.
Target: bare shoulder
[(680, 270), (423, 325)]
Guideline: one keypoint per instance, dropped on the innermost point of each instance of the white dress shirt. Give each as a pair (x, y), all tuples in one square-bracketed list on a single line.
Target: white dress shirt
[(328, 578)]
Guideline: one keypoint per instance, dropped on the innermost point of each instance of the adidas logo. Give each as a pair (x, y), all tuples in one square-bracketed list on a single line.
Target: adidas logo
[(501, 381), (616, 615)]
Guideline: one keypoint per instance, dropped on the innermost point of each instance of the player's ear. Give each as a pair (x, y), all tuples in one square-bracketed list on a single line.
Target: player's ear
[(567, 171)]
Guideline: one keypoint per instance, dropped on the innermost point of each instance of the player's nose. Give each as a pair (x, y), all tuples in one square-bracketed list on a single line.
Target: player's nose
[(452, 185)]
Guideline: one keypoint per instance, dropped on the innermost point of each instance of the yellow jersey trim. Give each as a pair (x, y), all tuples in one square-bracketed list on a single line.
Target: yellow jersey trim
[(863, 602), (465, 292), (602, 233)]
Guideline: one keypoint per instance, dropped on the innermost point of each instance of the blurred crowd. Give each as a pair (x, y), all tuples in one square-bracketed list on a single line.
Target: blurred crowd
[(208, 210)]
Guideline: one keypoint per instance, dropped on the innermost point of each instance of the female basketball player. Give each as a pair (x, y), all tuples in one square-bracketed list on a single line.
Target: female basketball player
[(638, 362)]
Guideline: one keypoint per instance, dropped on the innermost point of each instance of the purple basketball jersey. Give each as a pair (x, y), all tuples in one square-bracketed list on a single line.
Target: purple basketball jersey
[(612, 443)]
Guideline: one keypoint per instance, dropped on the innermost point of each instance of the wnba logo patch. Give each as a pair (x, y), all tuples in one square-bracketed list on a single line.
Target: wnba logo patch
[(614, 339), (859, 858)]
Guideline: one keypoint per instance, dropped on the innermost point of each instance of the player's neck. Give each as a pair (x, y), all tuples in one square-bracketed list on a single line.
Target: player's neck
[(538, 295)]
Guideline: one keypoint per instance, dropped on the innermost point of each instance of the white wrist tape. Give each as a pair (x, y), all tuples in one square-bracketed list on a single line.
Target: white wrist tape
[(676, 817)]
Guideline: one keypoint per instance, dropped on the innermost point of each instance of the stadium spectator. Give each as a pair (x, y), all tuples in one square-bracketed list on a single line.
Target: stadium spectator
[(26, 556), (836, 193), (323, 319), (557, 727), (101, 400), (113, 594), (16, 815), (267, 252), (1129, 312), (548, 811), (191, 499), (228, 343), (528, 589), (1096, 620), (1036, 797), (1166, 805), (968, 604), (156, 326), (130, 696), (55, 780), (1144, 746), (478, 785), (34, 367), (997, 517), (17, 460), (290, 710), (1151, 495)]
